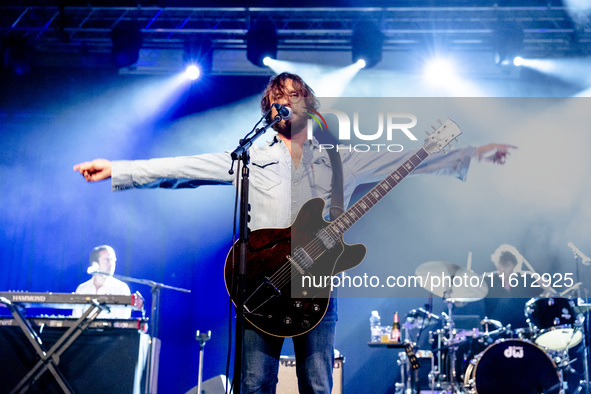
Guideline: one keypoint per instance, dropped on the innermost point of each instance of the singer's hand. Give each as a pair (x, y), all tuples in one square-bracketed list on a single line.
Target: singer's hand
[(498, 157), (96, 170)]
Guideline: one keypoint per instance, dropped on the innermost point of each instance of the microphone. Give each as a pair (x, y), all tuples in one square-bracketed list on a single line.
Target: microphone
[(584, 259), (422, 313), (284, 112), (93, 268)]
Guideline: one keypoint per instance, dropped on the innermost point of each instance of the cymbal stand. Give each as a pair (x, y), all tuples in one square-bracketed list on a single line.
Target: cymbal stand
[(452, 348), (584, 385), (450, 344), (440, 373)]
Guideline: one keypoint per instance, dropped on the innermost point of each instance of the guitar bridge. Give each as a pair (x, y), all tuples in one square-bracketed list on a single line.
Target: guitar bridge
[(271, 286), (264, 293)]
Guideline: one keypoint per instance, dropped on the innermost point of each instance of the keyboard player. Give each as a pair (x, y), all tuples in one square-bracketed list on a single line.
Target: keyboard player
[(102, 266)]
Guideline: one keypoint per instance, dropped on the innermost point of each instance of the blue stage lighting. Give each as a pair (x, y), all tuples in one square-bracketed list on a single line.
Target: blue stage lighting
[(261, 42), (198, 56), (366, 43), (192, 72)]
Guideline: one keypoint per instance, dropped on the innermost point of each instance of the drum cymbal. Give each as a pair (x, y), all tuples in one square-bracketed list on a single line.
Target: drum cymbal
[(451, 281)]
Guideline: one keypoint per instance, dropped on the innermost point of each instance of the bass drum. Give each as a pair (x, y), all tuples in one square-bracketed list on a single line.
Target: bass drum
[(512, 366)]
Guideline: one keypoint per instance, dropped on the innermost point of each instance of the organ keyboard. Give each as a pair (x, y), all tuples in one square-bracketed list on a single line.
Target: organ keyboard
[(49, 358), (68, 300), (67, 322)]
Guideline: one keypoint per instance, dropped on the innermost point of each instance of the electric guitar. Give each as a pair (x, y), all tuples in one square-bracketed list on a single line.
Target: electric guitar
[(287, 284)]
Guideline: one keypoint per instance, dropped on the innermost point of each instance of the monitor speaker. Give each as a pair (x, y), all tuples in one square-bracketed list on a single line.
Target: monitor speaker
[(215, 385)]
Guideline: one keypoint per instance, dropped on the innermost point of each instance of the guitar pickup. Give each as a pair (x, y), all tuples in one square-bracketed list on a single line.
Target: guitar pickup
[(326, 239), (300, 260)]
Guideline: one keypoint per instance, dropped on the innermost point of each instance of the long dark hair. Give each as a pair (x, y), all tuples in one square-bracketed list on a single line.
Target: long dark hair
[(276, 86)]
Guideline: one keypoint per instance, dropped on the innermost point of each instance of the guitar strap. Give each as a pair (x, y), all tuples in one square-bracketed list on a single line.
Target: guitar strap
[(337, 200)]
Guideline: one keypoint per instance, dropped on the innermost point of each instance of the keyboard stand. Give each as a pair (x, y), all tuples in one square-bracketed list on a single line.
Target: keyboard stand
[(50, 359)]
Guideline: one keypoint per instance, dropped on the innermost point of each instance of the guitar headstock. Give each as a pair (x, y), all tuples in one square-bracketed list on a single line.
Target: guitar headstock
[(442, 136)]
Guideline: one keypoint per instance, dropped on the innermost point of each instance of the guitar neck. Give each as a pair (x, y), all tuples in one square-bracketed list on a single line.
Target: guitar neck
[(368, 201)]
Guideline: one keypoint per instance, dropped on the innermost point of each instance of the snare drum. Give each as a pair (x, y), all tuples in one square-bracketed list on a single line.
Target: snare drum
[(512, 366), (553, 322)]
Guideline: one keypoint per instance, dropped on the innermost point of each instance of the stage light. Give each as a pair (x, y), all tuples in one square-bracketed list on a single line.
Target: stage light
[(439, 70), (16, 54), (366, 43), (360, 63), (127, 40), (261, 42), (508, 44), (192, 72), (198, 54), (518, 61)]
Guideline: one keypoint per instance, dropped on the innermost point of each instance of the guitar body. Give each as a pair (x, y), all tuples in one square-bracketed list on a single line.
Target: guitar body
[(289, 270), (277, 260)]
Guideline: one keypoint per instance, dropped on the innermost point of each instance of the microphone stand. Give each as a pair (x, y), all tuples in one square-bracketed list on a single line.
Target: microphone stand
[(154, 353), (151, 386), (242, 153)]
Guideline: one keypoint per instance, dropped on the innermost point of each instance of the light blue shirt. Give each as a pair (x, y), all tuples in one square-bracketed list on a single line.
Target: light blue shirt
[(277, 188)]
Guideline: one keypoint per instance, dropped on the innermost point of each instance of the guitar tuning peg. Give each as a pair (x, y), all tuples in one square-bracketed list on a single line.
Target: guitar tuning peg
[(433, 127), (457, 140), (426, 132), (439, 121), (450, 146)]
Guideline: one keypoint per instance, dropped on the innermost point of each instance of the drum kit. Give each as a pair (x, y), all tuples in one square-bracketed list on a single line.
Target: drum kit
[(492, 358)]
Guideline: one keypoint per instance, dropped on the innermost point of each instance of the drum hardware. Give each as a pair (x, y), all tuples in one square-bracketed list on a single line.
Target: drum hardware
[(490, 322), (573, 289), (554, 322), (456, 286), (418, 319), (583, 308), (523, 333), (564, 366), (444, 374), (564, 362), (579, 257)]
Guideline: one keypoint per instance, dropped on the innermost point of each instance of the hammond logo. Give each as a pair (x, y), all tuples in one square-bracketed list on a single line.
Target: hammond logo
[(389, 126), (514, 352)]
